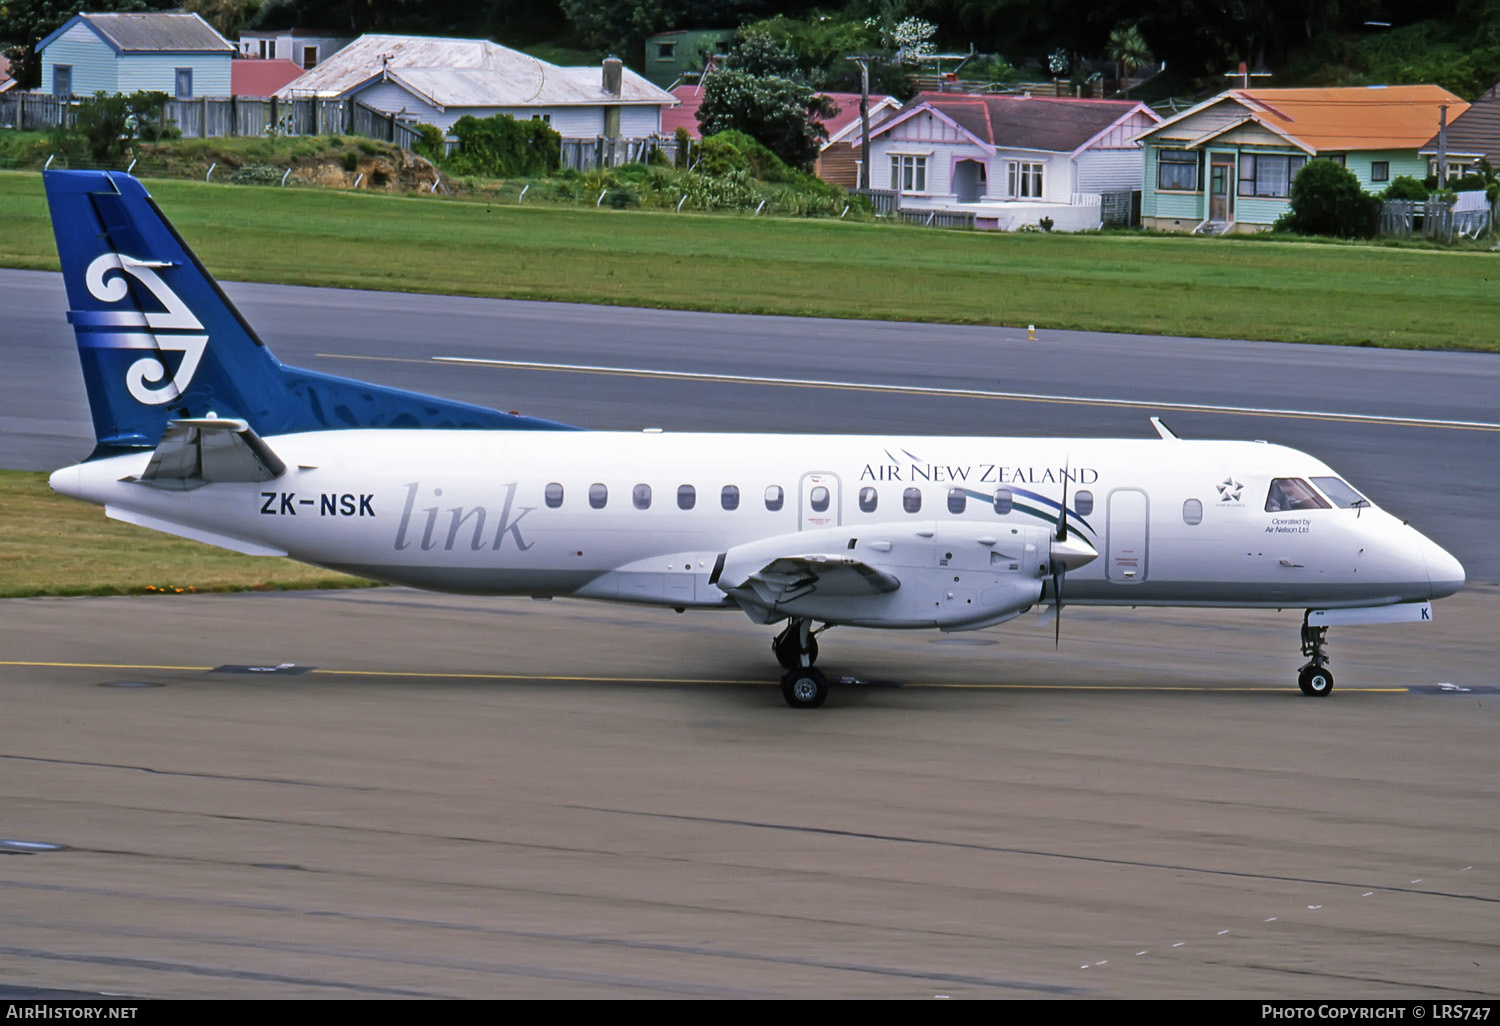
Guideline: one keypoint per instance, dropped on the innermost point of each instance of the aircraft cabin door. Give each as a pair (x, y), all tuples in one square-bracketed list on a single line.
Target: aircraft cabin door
[(821, 504), (1126, 561)]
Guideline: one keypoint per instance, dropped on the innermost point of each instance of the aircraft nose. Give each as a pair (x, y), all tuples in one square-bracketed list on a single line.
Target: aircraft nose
[(1444, 573)]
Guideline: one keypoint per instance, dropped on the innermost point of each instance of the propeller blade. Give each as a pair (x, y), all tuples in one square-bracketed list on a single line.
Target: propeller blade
[(1058, 571), (1062, 515)]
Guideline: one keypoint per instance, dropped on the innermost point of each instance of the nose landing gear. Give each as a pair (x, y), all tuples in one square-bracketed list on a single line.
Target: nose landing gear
[(1314, 679)]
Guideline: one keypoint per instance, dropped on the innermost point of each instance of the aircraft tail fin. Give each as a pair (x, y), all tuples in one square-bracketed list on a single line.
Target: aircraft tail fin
[(159, 340)]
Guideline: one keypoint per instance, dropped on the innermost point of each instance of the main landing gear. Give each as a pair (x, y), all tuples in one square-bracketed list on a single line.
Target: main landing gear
[(796, 649), (1314, 679)]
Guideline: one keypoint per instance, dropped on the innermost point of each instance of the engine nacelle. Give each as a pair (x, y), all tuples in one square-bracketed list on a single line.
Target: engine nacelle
[(919, 574)]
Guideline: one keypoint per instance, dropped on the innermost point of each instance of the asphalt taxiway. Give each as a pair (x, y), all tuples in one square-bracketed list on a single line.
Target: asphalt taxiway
[(385, 793)]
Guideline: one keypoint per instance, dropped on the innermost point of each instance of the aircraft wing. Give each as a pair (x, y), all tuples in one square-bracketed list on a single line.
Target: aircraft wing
[(205, 450), (787, 578)]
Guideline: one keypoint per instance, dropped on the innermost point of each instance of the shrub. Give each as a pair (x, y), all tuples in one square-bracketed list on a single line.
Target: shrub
[(1326, 200), (501, 147), (1405, 188), (351, 160), (109, 123)]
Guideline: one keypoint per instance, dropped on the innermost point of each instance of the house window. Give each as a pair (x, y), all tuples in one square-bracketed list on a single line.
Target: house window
[(268, 49), (1024, 179), (1380, 170), (1268, 174), (309, 57), (62, 80), (666, 51), (184, 83), (1177, 171), (908, 172), (545, 119)]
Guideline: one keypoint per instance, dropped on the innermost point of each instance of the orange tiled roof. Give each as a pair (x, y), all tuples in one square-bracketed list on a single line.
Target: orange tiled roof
[(1354, 118)]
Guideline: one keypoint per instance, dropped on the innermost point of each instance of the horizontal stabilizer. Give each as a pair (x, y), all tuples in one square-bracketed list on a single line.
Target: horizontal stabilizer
[(223, 541), (208, 450)]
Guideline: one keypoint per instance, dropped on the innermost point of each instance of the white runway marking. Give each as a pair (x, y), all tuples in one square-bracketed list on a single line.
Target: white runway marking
[(967, 393)]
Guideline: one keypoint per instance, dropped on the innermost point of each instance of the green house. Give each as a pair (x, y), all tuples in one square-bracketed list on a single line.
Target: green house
[(670, 55), (1228, 163)]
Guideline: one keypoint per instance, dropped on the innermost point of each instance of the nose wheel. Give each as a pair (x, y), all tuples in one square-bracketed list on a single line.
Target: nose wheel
[(1315, 679)]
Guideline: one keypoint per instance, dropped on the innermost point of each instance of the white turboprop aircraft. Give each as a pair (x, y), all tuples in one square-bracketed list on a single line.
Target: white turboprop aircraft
[(203, 434)]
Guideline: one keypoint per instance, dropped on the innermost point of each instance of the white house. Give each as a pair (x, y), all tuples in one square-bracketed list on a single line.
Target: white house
[(437, 81), (1011, 160), (177, 54), (308, 47)]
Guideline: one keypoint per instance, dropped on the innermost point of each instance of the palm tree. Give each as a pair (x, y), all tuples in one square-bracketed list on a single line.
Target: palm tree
[(1128, 49)]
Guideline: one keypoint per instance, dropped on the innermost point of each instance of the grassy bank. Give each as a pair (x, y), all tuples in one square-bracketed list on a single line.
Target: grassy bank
[(57, 546), (1223, 288)]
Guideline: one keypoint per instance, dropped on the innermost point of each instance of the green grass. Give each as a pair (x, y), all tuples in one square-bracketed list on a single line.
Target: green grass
[(57, 546), (1214, 287)]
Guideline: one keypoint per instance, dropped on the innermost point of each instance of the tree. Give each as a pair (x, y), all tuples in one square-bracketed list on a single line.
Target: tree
[(760, 93), (1128, 49), (1326, 199)]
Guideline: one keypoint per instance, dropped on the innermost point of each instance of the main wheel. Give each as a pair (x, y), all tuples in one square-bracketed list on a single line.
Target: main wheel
[(1315, 681), (804, 689), (785, 648)]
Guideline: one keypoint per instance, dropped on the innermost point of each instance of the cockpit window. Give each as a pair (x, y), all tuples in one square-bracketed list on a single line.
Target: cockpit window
[(1289, 493), (1340, 493)]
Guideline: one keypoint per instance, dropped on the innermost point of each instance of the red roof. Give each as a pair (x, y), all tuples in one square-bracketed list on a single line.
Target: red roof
[(689, 97), (251, 77)]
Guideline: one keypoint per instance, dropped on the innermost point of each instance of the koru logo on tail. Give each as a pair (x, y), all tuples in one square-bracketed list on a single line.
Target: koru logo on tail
[(173, 330)]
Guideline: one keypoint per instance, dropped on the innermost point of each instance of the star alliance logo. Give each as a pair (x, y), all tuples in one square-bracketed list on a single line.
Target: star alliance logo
[(1229, 490)]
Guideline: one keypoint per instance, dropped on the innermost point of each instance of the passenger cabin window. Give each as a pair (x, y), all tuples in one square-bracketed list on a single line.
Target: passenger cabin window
[(1083, 503), (818, 499), (1192, 512), (554, 495), (957, 500), (1290, 493), (868, 500), (687, 497), (911, 500), (640, 495), (1004, 501), (598, 495), (1342, 496), (729, 497), (775, 497)]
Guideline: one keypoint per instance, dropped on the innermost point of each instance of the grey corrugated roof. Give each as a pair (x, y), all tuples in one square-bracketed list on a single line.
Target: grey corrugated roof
[(134, 33), (1476, 130), (467, 73)]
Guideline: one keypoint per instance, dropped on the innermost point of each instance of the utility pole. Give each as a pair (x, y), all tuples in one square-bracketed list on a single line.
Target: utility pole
[(1442, 147), (864, 119)]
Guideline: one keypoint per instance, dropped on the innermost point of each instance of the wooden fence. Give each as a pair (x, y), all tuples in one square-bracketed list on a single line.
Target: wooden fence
[(1431, 218), (588, 154), (938, 218), (885, 201)]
